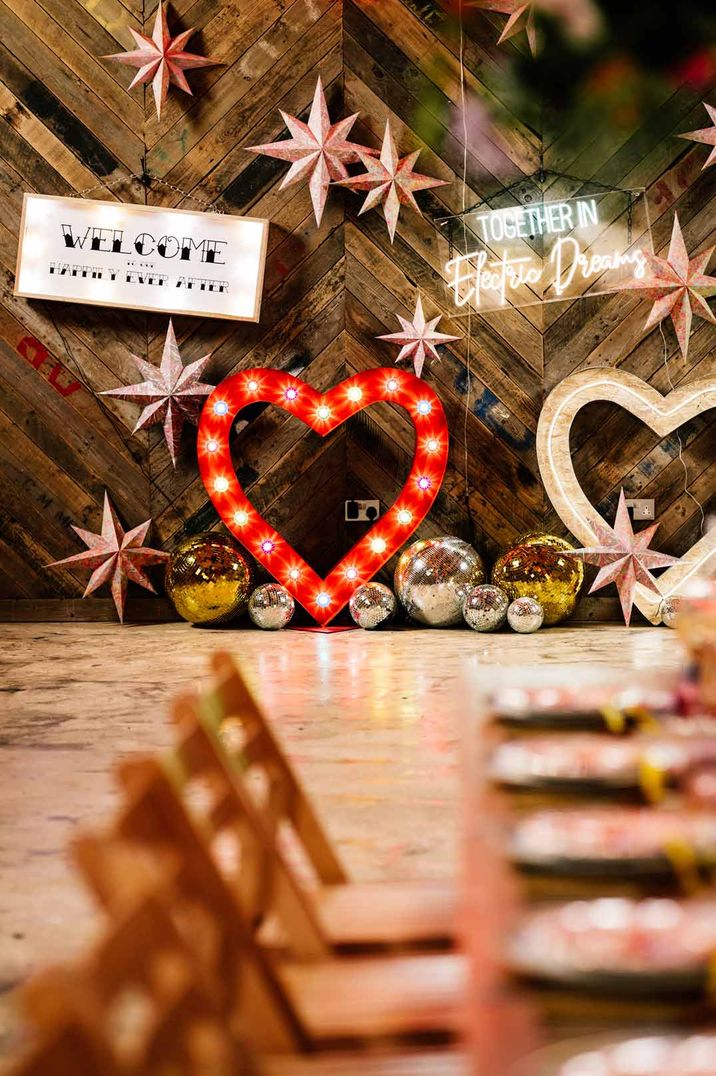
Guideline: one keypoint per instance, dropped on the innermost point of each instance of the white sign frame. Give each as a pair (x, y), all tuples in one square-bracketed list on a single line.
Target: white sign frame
[(122, 269), (662, 414)]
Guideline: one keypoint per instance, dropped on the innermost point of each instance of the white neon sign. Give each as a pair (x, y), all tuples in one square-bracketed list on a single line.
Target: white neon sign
[(520, 255)]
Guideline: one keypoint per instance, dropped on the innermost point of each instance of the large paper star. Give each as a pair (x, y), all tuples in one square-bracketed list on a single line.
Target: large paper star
[(672, 283), (418, 338), (161, 59), (317, 149), (390, 180), (171, 393), (707, 135), (624, 558), (115, 556)]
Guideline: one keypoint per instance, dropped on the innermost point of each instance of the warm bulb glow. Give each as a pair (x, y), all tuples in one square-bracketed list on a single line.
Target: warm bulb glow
[(322, 411)]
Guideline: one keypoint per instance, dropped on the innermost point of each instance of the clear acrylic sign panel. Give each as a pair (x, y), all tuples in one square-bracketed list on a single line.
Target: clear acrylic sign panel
[(171, 261), (544, 251)]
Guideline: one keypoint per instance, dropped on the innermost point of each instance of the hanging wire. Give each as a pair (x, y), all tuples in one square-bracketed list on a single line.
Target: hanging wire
[(468, 363)]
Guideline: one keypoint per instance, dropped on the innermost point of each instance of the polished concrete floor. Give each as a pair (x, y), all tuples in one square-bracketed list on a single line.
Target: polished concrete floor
[(372, 721)]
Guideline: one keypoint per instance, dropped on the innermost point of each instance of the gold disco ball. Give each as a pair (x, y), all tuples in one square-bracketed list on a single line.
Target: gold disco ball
[(208, 579), (536, 567)]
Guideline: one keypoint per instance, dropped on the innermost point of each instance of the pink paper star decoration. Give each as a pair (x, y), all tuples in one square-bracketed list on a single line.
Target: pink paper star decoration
[(390, 181), (624, 558), (580, 18), (171, 393), (521, 17), (418, 338), (115, 556), (161, 59), (672, 283), (707, 135), (317, 150)]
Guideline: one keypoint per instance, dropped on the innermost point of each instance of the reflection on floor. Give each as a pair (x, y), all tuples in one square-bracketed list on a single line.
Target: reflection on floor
[(371, 719)]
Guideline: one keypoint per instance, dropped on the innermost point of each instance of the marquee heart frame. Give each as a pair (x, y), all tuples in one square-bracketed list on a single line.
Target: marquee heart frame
[(663, 414), (323, 413)]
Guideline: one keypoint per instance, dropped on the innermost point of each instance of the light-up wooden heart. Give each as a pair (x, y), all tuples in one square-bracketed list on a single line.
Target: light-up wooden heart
[(663, 414), (323, 598)]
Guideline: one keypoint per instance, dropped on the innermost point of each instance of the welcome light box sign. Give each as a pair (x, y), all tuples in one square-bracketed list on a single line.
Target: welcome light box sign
[(171, 261), (545, 251)]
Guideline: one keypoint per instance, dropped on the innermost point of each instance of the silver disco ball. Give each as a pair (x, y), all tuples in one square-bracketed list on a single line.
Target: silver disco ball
[(485, 608), (271, 607), (670, 608), (433, 578), (373, 604), (525, 615)]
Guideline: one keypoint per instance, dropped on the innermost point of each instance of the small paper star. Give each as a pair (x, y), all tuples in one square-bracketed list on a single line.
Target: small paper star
[(115, 555), (390, 180), (672, 283), (624, 558), (171, 393), (317, 149), (580, 19), (161, 59), (418, 338), (521, 17), (707, 135)]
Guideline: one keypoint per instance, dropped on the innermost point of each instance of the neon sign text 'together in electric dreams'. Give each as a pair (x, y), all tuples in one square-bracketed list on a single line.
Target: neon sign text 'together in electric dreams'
[(535, 253)]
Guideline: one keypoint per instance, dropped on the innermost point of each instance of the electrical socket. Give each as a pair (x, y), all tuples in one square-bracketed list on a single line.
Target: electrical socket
[(362, 511), (641, 509)]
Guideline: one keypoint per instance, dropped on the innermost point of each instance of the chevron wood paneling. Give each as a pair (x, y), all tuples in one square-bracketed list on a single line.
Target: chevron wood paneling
[(68, 125)]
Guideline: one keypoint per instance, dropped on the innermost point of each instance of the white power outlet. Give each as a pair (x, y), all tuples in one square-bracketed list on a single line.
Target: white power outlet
[(362, 511), (641, 509)]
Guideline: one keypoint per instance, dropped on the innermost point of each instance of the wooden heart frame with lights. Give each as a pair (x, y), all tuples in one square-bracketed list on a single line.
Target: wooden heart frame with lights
[(663, 414), (323, 412)]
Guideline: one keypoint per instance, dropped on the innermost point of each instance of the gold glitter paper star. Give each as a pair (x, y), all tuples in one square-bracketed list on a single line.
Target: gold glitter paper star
[(672, 283), (390, 181), (115, 556), (161, 59), (418, 338), (624, 558), (317, 150), (171, 393), (707, 135)]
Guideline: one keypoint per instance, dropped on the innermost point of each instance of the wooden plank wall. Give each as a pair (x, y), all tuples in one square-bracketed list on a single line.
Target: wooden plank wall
[(69, 125)]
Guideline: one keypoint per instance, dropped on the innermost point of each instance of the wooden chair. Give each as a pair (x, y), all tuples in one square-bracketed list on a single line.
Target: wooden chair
[(351, 916), (294, 1005), (142, 1003)]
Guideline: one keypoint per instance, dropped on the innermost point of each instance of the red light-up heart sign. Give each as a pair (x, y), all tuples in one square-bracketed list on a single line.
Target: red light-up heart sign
[(323, 598)]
